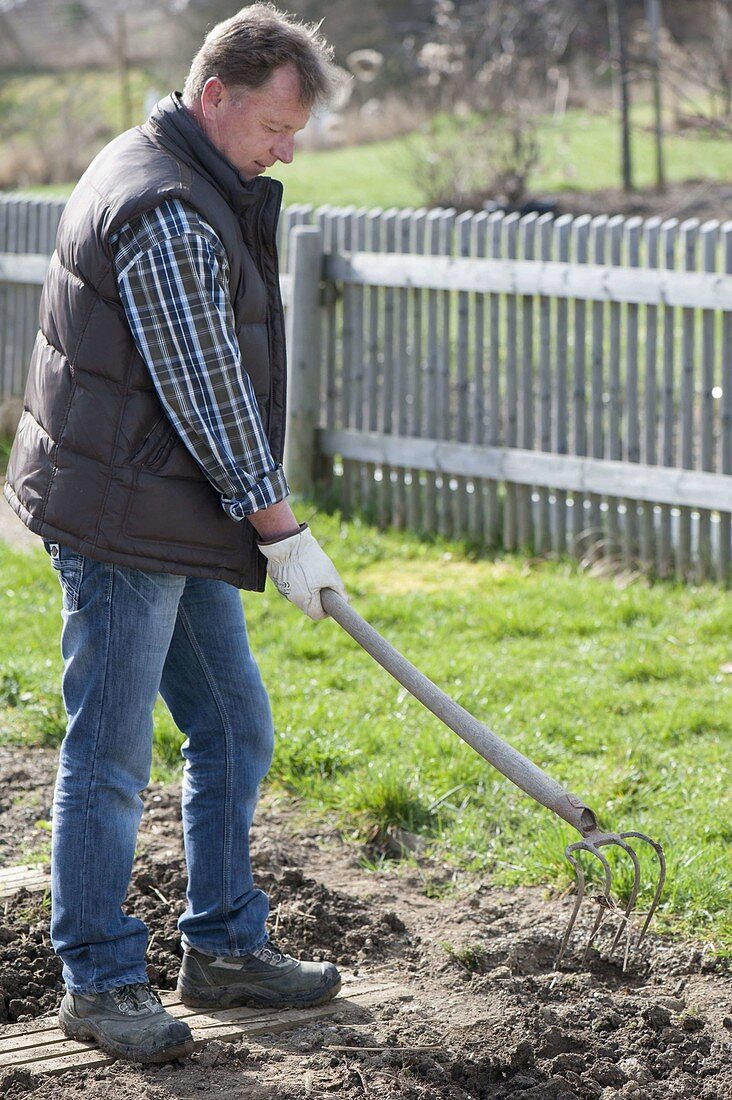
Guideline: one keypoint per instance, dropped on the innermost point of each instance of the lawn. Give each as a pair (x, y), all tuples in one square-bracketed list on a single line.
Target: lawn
[(622, 693)]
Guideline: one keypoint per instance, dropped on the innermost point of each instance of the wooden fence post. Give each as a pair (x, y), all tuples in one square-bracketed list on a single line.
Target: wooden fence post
[(304, 357)]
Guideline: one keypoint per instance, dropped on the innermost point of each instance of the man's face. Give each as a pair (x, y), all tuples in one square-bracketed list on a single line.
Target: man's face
[(254, 129)]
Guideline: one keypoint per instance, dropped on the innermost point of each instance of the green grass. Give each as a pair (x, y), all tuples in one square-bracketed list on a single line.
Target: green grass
[(619, 693)]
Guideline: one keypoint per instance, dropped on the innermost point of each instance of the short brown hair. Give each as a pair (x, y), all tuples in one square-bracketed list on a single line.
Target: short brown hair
[(243, 52)]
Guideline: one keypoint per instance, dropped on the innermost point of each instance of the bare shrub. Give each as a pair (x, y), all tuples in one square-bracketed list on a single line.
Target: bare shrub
[(467, 161)]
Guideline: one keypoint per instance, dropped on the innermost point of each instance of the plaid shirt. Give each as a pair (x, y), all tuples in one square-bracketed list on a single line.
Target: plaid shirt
[(172, 274)]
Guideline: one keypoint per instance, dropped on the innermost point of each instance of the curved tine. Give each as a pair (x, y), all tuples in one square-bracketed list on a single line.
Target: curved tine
[(661, 880), (634, 890), (605, 902), (601, 911), (580, 876), (594, 850)]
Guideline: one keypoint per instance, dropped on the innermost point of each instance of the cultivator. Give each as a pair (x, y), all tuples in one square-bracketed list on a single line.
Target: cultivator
[(526, 775)]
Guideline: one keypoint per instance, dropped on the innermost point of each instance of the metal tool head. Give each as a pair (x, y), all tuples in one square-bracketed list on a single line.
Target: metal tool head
[(604, 900)]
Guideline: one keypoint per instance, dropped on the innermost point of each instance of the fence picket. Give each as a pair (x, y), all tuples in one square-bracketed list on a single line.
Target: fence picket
[(386, 397), (510, 430), (725, 427), (632, 230), (561, 436), (546, 243), (689, 242), (524, 517), (580, 243), (478, 237), (493, 512), (614, 446), (5, 307), (651, 234), (402, 371), (463, 224), (346, 417), (444, 356), (709, 235), (666, 554), (416, 411), (597, 419)]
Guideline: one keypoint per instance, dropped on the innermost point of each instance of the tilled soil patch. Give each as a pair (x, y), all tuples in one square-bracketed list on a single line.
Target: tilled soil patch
[(489, 1017)]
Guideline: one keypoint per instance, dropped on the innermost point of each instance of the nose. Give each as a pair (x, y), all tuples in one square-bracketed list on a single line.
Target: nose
[(284, 148)]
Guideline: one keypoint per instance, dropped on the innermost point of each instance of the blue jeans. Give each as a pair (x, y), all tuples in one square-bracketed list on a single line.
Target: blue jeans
[(128, 635)]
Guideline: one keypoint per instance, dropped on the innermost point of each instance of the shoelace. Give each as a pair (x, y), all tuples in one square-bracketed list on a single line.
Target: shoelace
[(135, 997), (268, 953)]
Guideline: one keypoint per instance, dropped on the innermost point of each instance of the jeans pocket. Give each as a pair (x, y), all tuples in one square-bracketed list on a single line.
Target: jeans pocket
[(69, 566)]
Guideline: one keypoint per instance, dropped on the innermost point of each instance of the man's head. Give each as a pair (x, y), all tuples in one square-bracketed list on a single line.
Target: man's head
[(254, 83)]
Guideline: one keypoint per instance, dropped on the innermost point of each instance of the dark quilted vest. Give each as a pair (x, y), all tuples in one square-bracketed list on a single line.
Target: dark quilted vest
[(96, 463)]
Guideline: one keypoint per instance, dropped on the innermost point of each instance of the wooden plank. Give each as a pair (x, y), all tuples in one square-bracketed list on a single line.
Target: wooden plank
[(477, 410), (559, 280), (562, 228), (651, 234), (463, 226), (344, 233), (546, 370), (597, 412), (372, 353), (22, 269), (678, 487), (614, 444), (494, 438), (360, 490), (510, 366), (386, 374), (403, 368), (326, 222), (429, 515), (709, 233), (666, 555), (725, 428), (686, 427), (26, 877), (415, 418), (46, 1050), (444, 362), (632, 400), (581, 240)]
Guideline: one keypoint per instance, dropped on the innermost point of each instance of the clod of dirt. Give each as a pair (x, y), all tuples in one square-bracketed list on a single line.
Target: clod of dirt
[(18, 1082)]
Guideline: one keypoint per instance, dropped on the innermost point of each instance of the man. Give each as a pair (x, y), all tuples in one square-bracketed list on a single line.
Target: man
[(148, 458)]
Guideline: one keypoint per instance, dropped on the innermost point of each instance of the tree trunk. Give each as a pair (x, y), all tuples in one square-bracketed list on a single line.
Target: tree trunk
[(620, 63)]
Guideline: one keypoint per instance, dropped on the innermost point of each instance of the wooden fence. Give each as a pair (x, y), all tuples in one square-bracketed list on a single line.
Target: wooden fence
[(549, 384)]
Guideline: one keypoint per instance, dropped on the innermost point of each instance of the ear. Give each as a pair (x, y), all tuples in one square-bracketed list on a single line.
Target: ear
[(211, 96)]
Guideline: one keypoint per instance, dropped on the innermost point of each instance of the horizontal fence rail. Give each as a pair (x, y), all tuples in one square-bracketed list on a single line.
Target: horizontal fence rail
[(659, 484), (588, 282), (553, 384)]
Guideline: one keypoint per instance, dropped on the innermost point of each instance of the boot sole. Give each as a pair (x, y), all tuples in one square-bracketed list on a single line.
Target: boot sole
[(233, 997), (85, 1031)]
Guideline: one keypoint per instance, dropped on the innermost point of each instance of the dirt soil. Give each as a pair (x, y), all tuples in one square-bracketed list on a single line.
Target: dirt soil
[(488, 1016), (702, 199)]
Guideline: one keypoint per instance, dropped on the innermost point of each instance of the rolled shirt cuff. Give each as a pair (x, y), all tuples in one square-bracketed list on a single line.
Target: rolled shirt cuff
[(268, 490)]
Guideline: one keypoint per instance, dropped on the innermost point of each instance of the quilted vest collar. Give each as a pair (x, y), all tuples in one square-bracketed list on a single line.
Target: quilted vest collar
[(175, 128)]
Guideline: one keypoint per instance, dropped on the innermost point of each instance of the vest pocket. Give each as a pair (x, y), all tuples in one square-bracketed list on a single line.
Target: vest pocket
[(155, 446)]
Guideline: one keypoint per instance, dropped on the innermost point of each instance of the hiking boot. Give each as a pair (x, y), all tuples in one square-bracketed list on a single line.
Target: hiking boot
[(267, 978), (129, 1022)]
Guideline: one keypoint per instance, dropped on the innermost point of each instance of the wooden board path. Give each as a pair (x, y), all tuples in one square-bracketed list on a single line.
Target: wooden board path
[(33, 877), (42, 1048)]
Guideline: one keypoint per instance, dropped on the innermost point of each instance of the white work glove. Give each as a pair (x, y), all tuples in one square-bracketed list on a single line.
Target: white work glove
[(299, 568)]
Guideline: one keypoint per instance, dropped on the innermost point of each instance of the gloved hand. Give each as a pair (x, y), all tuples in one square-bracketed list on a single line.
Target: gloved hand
[(299, 568)]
